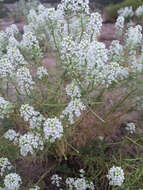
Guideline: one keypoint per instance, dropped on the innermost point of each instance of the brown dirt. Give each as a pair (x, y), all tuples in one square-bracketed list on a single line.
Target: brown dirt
[(107, 34)]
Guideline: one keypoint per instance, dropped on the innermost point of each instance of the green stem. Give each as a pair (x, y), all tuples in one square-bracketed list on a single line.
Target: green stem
[(71, 146), (96, 114), (113, 109), (134, 142), (44, 174)]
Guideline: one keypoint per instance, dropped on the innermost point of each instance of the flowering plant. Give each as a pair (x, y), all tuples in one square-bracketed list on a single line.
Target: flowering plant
[(45, 104)]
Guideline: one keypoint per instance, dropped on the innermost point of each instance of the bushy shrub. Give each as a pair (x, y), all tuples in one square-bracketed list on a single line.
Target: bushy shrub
[(50, 110)]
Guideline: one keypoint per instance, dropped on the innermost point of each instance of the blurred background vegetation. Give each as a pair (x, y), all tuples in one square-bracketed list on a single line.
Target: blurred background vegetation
[(109, 7), (104, 2)]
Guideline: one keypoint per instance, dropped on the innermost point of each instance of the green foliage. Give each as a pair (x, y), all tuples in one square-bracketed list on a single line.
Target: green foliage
[(10, 1), (111, 10), (3, 11), (107, 2), (8, 150)]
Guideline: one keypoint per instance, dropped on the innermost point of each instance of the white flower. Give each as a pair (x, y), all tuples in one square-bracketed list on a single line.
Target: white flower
[(97, 55), (27, 112), (32, 16), (70, 182), (119, 25), (53, 129), (134, 37), (116, 52), (34, 117), (24, 80), (74, 6), (41, 8), (131, 127), (42, 72), (12, 31), (31, 45), (12, 181), (94, 25), (5, 108), (11, 135), (73, 90), (15, 56), (36, 121), (5, 166), (6, 67), (12, 42), (116, 176), (79, 184), (56, 180), (35, 188), (82, 172), (134, 63), (139, 11), (29, 143), (126, 12), (113, 72), (74, 108)]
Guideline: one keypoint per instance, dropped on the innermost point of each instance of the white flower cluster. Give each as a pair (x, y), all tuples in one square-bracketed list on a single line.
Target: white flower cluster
[(6, 67), (24, 80), (53, 129), (134, 63), (15, 57), (126, 12), (73, 91), (7, 36), (11, 135), (134, 37), (40, 23), (119, 25), (12, 181), (139, 11), (30, 142), (74, 183), (74, 6), (5, 166), (56, 179), (12, 42), (69, 51), (3, 41), (42, 72), (113, 72), (79, 184), (5, 108), (31, 45), (73, 108), (116, 176), (94, 25), (34, 117), (97, 68), (12, 30), (131, 128), (116, 52), (78, 49)]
